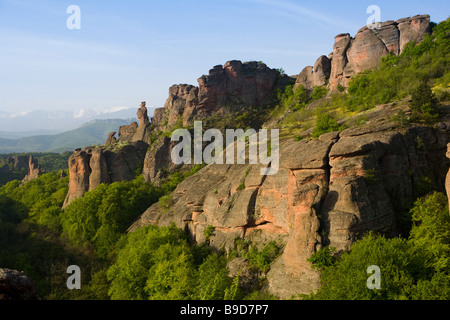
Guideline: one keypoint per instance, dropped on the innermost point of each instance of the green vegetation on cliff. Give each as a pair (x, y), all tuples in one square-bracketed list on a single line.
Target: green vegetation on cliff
[(420, 73), (417, 268)]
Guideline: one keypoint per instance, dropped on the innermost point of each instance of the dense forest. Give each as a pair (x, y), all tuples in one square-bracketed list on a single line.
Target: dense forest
[(41, 239)]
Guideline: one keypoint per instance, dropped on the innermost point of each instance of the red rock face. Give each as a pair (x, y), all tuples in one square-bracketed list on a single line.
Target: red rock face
[(317, 76), (364, 53), (413, 29), (327, 192), (341, 45), (231, 87), (79, 172), (353, 55), (93, 166)]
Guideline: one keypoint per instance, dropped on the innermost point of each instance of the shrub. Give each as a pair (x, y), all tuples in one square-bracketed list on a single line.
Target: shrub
[(414, 268), (319, 93), (424, 103), (325, 123), (165, 202)]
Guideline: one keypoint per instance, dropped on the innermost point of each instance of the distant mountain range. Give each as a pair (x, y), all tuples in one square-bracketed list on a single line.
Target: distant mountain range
[(91, 133), (18, 124)]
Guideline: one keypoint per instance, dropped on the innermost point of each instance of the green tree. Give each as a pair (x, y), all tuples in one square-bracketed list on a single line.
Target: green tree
[(129, 274), (431, 230), (423, 104), (414, 268), (325, 123), (213, 279)]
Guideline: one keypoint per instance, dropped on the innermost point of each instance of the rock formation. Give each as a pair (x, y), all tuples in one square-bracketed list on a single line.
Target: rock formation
[(327, 192), (134, 132), (126, 133), (111, 140), (350, 55), (231, 87), (34, 170), (15, 285), (118, 160), (317, 76), (91, 167), (143, 129), (22, 164)]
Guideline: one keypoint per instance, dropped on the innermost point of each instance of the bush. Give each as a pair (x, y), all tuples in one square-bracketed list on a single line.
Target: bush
[(424, 103), (414, 268), (102, 215), (319, 93), (325, 123), (158, 263)]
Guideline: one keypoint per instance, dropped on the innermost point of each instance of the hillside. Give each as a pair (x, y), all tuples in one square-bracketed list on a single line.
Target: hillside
[(362, 179), (94, 132)]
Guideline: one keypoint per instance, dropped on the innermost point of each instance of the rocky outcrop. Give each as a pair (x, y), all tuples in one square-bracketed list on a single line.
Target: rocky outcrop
[(413, 29), (79, 173), (235, 84), (23, 164), (15, 285), (350, 55), (119, 159), (231, 87), (135, 131), (158, 161), (317, 76), (180, 105), (126, 133), (34, 170), (91, 167), (143, 129), (111, 140), (327, 191)]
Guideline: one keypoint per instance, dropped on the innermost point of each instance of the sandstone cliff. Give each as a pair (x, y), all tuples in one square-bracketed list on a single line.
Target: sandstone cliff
[(118, 160), (327, 192), (93, 166), (231, 87), (350, 55)]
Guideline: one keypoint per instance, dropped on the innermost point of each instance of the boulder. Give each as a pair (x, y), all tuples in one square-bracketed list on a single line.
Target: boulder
[(111, 140), (15, 285), (126, 133), (317, 76)]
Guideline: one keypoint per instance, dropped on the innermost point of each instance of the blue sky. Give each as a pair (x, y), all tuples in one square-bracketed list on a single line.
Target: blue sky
[(132, 51)]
